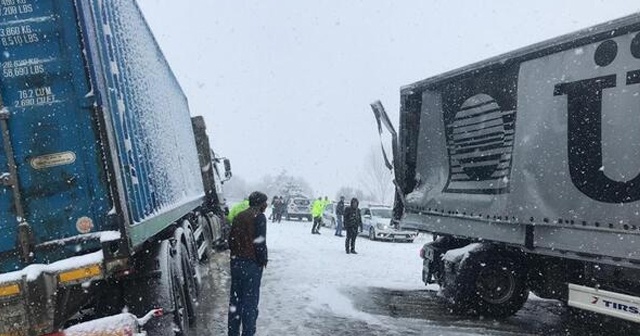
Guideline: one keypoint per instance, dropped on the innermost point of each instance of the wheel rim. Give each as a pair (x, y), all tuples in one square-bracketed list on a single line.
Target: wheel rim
[(496, 285), (180, 313), (190, 289)]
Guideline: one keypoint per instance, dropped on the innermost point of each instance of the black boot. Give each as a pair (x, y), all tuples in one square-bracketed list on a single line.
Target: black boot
[(353, 252)]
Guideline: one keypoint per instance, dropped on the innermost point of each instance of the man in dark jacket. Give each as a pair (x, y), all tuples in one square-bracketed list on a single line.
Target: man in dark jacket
[(353, 224), (339, 214), (247, 243)]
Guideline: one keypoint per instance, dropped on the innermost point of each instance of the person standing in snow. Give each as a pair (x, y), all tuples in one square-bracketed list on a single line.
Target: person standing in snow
[(272, 216), (353, 224), (339, 214), (280, 207), (316, 211), (248, 246)]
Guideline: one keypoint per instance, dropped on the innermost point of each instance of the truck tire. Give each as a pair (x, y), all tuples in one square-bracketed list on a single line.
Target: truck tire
[(217, 232), (181, 309), (191, 269), (491, 283), (189, 285), (204, 222), (190, 240), (160, 283)]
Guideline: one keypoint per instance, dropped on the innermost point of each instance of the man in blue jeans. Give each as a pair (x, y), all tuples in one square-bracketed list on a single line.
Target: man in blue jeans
[(248, 245), (339, 214)]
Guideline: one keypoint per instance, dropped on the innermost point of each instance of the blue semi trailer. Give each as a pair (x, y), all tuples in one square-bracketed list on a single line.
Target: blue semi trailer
[(110, 193)]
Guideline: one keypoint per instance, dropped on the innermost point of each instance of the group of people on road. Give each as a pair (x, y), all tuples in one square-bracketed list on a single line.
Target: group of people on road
[(278, 208), (248, 248)]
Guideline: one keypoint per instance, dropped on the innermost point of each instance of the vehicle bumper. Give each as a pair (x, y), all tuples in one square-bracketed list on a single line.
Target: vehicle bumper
[(399, 236), (299, 214), (37, 299)]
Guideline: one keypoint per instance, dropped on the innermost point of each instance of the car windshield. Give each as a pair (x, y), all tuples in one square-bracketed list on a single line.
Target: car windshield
[(382, 213), (301, 202)]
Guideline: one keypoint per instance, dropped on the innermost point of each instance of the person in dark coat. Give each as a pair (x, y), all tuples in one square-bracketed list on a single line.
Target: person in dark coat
[(339, 216), (272, 216), (248, 246), (280, 208), (353, 224)]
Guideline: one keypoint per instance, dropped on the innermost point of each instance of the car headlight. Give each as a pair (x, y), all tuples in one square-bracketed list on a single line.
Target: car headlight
[(381, 226)]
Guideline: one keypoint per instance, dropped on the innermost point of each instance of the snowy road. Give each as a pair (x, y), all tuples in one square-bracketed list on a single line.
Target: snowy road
[(311, 287)]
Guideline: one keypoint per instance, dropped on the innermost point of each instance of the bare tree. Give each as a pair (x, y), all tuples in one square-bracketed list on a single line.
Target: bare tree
[(284, 185), (377, 180), (349, 193)]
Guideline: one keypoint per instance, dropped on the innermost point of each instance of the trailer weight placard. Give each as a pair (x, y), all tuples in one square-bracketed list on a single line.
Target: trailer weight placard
[(52, 160)]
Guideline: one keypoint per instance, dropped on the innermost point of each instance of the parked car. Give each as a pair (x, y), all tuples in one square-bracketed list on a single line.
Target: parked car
[(298, 207), (329, 215), (376, 223)]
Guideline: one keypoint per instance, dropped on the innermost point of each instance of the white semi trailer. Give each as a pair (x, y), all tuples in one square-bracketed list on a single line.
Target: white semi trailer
[(526, 167)]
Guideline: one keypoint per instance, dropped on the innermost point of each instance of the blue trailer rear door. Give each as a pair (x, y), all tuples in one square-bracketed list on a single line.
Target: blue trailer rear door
[(53, 130)]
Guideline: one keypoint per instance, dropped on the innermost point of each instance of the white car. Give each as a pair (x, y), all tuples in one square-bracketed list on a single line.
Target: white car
[(376, 223), (298, 207), (329, 215)]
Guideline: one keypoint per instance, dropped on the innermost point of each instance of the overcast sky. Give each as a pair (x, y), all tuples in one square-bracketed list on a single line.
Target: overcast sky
[(287, 84)]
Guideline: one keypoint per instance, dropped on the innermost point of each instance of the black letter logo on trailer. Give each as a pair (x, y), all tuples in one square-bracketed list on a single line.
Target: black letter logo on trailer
[(584, 101), (479, 117)]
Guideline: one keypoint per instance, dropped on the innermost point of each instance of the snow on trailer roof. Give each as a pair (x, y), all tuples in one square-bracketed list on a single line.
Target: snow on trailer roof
[(575, 39)]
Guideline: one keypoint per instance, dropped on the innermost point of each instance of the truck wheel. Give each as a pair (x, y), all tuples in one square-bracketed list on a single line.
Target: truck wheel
[(372, 234), (491, 283), (204, 222), (190, 240), (160, 283), (189, 285), (216, 224), (191, 253), (181, 302)]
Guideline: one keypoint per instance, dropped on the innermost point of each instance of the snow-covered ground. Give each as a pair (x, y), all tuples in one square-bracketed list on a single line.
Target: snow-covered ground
[(312, 287)]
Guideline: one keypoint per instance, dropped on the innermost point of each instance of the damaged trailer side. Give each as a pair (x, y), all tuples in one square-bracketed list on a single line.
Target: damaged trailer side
[(535, 154)]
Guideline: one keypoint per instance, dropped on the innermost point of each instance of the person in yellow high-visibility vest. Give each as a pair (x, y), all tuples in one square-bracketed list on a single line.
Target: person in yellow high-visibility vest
[(316, 211), (236, 209)]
